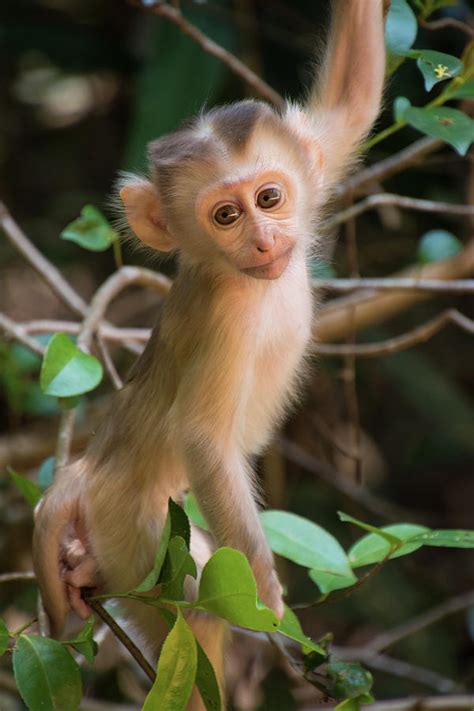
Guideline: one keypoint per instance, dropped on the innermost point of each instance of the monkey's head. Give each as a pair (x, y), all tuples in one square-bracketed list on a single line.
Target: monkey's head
[(235, 189)]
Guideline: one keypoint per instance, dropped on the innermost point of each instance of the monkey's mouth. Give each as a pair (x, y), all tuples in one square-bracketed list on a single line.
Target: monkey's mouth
[(270, 270)]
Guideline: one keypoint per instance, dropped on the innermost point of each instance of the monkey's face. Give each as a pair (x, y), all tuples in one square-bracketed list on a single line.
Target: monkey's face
[(250, 218)]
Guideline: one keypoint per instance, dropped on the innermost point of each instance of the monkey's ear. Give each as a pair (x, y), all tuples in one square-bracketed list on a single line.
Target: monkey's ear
[(144, 215)]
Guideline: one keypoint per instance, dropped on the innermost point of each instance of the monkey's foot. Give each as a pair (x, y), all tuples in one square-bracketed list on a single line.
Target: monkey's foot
[(79, 570), (270, 591)]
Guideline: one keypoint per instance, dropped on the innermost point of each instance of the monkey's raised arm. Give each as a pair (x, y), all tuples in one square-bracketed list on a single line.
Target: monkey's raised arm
[(345, 100)]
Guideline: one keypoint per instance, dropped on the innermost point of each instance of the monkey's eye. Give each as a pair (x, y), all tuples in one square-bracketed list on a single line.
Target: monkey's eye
[(269, 197), (227, 214)]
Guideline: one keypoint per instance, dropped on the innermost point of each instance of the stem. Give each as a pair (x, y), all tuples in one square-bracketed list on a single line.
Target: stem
[(117, 247), (24, 627)]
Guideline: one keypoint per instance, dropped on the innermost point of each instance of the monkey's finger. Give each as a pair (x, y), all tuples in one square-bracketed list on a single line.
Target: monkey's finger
[(79, 605), (74, 553), (82, 576)]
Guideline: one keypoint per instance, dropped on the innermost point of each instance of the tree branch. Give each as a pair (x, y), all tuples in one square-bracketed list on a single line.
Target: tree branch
[(421, 334), (175, 16), (373, 201)]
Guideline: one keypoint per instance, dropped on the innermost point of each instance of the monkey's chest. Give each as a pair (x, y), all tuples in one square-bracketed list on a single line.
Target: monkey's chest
[(273, 379)]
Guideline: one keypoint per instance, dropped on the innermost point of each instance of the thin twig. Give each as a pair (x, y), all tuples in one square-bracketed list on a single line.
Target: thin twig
[(418, 335), (430, 617), (400, 668), (15, 330), (445, 22), (43, 266), (396, 163), (20, 577), (64, 441), (174, 16), (409, 203), (440, 286), (114, 334), (121, 635), (109, 363)]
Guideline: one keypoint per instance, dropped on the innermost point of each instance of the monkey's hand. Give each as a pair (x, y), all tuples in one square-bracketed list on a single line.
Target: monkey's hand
[(61, 555)]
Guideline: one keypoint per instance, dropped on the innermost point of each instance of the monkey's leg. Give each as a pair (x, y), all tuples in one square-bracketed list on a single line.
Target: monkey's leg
[(212, 634)]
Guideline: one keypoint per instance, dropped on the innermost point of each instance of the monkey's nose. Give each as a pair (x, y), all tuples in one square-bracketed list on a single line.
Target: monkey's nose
[(264, 242)]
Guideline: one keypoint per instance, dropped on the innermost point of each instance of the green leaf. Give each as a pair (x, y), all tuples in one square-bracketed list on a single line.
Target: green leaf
[(27, 488), (373, 549), (84, 642), (390, 538), (176, 670), (308, 544), (348, 679), (228, 590), (206, 682), (449, 125), (46, 473), (47, 677), (178, 565), (290, 627), (438, 244), (464, 90), (67, 371), (91, 230), (193, 512), (400, 105), (447, 538), (401, 28), (4, 637), (436, 66), (152, 578)]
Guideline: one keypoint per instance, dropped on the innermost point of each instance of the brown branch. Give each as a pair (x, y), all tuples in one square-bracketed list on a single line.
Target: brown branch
[(388, 167), (252, 79), (440, 286), (418, 335), (51, 275), (109, 333), (20, 577), (371, 307), (121, 635), (430, 617), (447, 22), (400, 668), (16, 331), (373, 201)]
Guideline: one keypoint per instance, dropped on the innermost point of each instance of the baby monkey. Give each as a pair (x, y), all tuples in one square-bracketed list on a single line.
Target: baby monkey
[(236, 192)]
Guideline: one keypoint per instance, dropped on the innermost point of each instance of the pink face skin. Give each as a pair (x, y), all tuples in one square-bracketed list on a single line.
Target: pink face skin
[(251, 219)]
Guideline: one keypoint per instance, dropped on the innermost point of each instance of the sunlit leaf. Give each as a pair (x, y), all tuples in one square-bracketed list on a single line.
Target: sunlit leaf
[(228, 589), (447, 538), (449, 125), (66, 370), (176, 670), (373, 549), (206, 679), (4, 637), (306, 543), (152, 578), (84, 642), (401, 27), (438, 244), (192, 510), (436, 66), (290, 627), (91, 230), (47, 677), (389, 537), (27, 488)]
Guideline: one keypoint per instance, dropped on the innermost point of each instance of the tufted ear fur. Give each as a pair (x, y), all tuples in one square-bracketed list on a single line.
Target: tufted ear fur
[(143, 211)]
